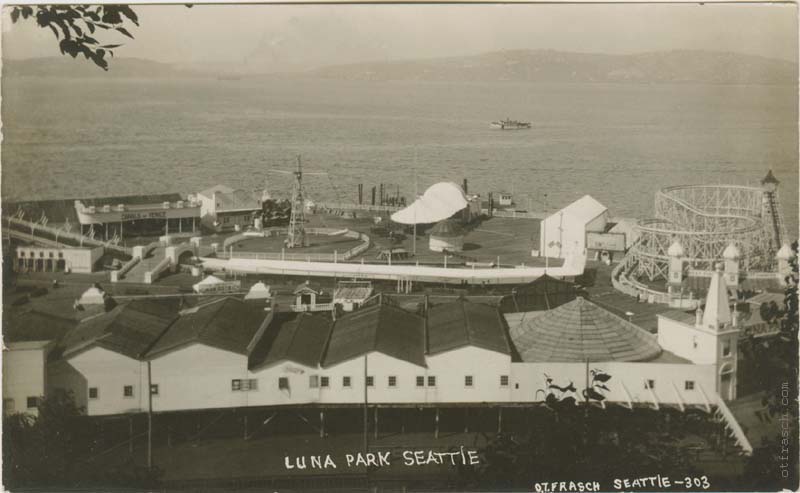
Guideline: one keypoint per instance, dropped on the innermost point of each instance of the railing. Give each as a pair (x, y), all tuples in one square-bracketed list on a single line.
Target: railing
[(733, 426), (357, 207), (56, 234), (319, 307), (153, 274), (301, 257), (117, 275), (519, 214)]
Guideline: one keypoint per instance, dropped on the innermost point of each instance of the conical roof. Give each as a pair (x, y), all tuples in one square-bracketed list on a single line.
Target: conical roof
[(447, 228), (579, 331), (770, 178)]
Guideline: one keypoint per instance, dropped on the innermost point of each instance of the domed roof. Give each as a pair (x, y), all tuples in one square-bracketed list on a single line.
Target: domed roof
[(785, 253), (448, 228), (579, 331), (675, 250), (731, 252)]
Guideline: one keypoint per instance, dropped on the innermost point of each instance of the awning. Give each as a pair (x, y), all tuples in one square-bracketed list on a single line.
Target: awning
[(440, 201)]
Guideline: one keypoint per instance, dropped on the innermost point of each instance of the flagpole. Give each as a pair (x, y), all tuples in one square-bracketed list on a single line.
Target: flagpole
[(544, 233), (414, 247)]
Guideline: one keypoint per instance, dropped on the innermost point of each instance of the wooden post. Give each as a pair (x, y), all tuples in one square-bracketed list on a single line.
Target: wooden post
[(149, 417), (130, 435), (245, 425), (436, 431), (322, 423), (376, 422), (499, 420), (466, 420)]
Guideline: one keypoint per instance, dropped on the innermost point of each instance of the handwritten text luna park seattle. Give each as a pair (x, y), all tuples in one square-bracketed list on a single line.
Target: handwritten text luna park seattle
[(380, 459)]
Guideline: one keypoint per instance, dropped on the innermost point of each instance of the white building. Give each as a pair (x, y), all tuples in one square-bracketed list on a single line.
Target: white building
[(63, 259), (710, 337), (28, 339), (351, 294), (564, 233), (447, 235), (201, 361), (223, 208), (102, 360)]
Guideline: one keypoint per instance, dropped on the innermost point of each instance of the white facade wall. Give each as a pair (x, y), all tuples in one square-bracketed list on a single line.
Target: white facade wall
[(567, 233), (23, 375), (208, 209), (697, 344), (380, 367), (627, 383), (199, 377), (110, 372), (269, 393), (486, 367)]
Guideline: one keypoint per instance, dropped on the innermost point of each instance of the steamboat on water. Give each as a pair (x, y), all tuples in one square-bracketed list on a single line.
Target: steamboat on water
[(509, 124)]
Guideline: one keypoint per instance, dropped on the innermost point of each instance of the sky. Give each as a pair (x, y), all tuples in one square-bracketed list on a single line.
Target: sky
[(299, 37)]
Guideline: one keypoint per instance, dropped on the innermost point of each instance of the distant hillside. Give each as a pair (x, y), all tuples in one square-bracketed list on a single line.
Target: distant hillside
[(79, 67), (555, 66)]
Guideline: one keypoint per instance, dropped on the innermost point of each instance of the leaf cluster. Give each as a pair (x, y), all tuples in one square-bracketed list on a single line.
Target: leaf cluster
[(75, 26)]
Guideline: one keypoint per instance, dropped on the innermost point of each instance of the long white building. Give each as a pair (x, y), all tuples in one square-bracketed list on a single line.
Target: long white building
[(233, 353)]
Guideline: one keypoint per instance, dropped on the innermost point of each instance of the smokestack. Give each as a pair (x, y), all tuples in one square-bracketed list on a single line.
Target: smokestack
[(360, 193), (373, 195), (466, 188)]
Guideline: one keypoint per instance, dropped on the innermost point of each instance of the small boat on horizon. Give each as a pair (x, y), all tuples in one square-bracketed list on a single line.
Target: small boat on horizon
[(509, 124)]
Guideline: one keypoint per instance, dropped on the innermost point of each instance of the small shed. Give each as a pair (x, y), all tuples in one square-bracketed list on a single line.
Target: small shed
[(307, 295), (446, 235)]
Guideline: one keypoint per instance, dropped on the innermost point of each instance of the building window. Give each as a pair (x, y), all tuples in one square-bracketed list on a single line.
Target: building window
[(236, 384), (283, 383), (324, 382), (726, 348), (370, 381), (127, 391), (250, 384), (60, 254), (689, 385), (93, 393), (504, 380), (431, 381), (154, 389), (8, 405), (468, 381), (345, 381), (649, 384), (32, 402), (420, 381), (392, 381), (313, 381)]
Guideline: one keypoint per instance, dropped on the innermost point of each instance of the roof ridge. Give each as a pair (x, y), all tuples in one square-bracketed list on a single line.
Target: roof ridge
[(467, 327)]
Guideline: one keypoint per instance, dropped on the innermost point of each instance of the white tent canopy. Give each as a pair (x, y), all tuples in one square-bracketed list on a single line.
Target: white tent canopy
[(208, 281), (440, 201)]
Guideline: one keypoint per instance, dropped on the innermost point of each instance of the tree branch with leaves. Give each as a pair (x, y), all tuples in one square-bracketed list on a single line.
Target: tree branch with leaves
[(75, 26)]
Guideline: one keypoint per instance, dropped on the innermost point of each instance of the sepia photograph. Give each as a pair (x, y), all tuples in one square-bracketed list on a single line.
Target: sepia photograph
[(398, 247)]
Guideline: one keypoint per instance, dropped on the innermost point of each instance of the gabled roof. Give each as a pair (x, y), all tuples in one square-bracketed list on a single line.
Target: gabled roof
[(383, 328), (462, 323), (34, 326), (579, 331), (129, 329), (582, 210), (543, 293), (300, 339), (308, 286), (229, 324)]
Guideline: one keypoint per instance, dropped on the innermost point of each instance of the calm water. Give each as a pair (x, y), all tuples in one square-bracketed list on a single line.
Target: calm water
[(619, 143)]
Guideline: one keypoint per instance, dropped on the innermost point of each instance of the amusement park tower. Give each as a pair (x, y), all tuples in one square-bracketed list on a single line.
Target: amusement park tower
[(296, 236), (773, 218)]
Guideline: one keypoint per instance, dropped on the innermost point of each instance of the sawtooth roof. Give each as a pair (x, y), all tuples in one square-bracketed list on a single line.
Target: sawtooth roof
[(229, 324), (129, 329), (579, 331), (383, 328), (462, 323), (300, 339)]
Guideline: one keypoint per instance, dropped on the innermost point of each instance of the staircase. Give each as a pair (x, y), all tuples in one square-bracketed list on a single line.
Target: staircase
[(138, 273)]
